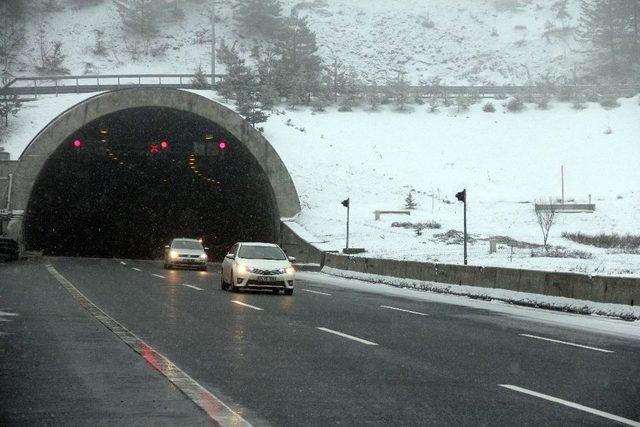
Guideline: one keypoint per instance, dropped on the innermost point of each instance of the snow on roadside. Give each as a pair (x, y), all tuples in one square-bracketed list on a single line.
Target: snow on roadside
[(594, 323), (521, 298)]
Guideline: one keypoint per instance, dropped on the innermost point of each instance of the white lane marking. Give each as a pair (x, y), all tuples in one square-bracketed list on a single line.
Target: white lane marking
[(123, 263), (215, 408), (158, 275), (136, 269), (315, 292), (403, 310), (572, 405), (566, 343), (351, 337), (246, 305), (192, 287)]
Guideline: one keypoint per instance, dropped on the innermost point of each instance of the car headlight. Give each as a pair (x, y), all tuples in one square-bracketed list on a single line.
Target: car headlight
[(242, 268), (173, 254), (203, 256), (290, 270)]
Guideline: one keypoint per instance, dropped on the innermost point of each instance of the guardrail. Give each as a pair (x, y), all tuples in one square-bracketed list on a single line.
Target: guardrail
[(54, 85), (39, 85)]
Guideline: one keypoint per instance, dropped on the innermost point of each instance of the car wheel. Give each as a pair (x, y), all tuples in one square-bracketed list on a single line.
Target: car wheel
[(275, 291), (288, 291), (223, 284)]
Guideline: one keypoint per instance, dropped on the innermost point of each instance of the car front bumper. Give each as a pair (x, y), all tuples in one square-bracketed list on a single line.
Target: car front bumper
[(257, 281), (187, 262)]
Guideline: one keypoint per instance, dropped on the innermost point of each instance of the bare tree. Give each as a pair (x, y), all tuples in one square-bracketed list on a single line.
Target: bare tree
[(11, 38), (9, 105), (545, 215)]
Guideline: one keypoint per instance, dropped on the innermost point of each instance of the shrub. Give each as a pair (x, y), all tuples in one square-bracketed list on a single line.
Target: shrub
[(415, 225), (609, 102), (514, 104), (561, 253), (602, 240), (488, 108), (543, 103)]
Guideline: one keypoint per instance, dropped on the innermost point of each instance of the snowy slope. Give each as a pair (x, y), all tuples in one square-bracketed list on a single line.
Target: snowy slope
[(470, 42), (505, 161)]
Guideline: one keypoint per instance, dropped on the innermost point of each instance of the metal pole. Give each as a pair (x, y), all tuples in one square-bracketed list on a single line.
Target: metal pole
[(562, 182), (465, 229), (213, 44), (9, 191), (348, 208)]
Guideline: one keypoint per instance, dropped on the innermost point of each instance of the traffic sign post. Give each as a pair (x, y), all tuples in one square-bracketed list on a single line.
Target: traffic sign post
[(346, 204), (462, 196)]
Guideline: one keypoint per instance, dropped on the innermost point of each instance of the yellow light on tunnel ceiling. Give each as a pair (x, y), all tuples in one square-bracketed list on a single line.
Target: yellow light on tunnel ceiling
[(104, 132), (208, 137)]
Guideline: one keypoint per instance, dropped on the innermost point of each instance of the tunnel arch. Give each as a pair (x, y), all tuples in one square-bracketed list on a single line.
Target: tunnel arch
[(48, 141)]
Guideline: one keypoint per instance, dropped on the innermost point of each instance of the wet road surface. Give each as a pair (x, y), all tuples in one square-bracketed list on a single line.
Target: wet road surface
[(326, 355)]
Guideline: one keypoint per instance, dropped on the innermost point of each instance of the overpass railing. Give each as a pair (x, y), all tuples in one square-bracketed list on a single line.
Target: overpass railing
[(40, 85)]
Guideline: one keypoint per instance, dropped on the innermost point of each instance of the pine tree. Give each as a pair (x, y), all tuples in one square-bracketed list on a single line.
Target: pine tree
[(258, 17), (140, 17), (400, 89), (604, 25), (296, 60), (409, 201)]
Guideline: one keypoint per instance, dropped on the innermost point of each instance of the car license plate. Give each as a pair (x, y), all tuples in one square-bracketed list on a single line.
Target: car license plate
[(266, 279)]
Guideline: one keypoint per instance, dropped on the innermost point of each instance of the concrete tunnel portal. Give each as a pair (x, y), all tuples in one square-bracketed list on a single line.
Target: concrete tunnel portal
[(135, 168)]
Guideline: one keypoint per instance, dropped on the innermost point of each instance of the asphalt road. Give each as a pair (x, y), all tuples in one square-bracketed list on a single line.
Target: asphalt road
[(329, 355)]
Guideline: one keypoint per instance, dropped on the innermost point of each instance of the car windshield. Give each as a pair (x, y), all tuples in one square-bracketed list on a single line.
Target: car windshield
[(186, 244), (261, 252)]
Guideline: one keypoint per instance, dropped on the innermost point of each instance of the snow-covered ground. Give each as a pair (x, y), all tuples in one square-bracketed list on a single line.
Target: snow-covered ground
[(469, 42), (594, 323), (505, 161)]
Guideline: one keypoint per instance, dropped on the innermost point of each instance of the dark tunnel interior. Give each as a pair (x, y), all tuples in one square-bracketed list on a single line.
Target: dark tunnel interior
[(126, 184)]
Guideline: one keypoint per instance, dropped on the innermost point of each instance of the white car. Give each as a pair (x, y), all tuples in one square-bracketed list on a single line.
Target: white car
[(183, 252), (253, 265)]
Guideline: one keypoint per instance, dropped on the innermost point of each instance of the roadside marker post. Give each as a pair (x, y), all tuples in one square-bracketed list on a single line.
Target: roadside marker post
[(462, 196), (346, 204)]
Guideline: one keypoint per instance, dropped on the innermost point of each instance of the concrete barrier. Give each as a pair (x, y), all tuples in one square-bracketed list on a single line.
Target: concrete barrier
[(607, 289)]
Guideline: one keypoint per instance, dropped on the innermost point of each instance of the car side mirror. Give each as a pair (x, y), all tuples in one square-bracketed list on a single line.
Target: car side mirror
[(292, 259), (230, 256)]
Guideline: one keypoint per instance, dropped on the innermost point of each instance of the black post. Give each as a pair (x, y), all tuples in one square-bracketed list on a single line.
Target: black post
[(462, 196), (346, 204), (465, 228)]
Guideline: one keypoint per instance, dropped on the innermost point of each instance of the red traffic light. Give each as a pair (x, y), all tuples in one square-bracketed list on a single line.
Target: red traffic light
[(222, 145), (154, 148), (164, 144), (77, 143)]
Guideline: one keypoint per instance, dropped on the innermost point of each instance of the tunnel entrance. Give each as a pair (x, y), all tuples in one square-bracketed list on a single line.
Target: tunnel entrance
[(126, 184)]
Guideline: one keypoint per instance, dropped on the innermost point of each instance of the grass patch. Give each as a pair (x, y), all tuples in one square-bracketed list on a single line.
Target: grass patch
[(561, 253), (628, 243)]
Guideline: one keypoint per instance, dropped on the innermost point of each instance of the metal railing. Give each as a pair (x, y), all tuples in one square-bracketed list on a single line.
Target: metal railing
[(40, 85), (55, 85)]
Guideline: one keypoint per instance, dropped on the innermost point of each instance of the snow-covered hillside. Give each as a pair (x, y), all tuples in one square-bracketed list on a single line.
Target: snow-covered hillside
[(505, 161), (457, 42)]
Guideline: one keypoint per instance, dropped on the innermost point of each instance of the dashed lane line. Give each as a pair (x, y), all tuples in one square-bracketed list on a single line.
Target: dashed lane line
[(215, 409), (123, 263), (158, 276), (572, 405), (315, 292), (191, 286), (567, 343), (351, 337), (136, 269), (403, 310), (246, 305)]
